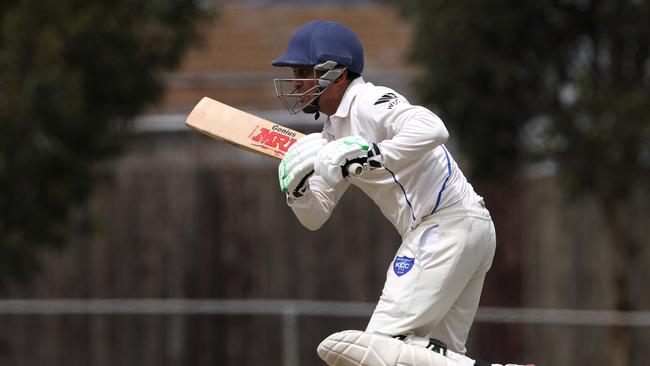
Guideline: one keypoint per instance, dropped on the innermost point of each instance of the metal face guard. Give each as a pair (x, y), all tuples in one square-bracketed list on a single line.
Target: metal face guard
[(307, 101), (292, 100)]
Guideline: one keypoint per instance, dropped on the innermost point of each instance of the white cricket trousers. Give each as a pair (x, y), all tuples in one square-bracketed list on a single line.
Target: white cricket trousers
[(433, 286)]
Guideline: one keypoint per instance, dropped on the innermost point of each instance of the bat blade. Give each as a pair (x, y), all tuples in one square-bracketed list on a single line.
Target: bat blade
[(244, 130)]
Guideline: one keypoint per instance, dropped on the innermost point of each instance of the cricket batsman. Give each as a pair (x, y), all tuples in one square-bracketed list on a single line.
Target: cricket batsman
[(434, 282)]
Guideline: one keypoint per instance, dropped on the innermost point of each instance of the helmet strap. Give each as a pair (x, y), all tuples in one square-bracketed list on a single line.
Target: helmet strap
[(313, 108)]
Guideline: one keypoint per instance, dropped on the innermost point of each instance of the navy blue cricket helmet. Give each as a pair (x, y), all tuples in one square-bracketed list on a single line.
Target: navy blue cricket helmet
[(320, 41)]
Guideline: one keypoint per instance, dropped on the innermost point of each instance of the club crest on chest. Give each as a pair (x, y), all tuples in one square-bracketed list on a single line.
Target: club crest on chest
[(402, 264)]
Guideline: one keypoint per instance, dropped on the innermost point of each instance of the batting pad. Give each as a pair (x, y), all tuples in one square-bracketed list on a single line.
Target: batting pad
[(357, 348)]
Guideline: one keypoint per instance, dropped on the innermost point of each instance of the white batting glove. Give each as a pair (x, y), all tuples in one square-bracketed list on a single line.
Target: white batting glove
[(333, 160), (298, 164)]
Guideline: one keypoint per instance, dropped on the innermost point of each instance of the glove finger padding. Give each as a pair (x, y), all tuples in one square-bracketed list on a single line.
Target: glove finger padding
[(298, 163), (332, 158)]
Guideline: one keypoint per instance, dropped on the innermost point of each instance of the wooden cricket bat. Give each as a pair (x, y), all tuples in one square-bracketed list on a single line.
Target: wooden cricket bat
[(244, 130)]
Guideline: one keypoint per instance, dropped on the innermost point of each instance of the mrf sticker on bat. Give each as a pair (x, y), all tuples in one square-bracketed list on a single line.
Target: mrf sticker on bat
[(278, 139)]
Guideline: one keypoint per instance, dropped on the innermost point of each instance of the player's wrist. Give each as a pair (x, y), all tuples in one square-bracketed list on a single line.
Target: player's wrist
[(372, 160), (302, 187), (375, 159), (298, 164)]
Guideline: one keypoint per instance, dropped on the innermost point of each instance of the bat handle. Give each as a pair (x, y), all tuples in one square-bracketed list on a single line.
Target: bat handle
[(354, 169)]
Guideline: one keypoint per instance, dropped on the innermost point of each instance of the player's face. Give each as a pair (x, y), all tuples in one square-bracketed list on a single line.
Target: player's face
[(331, 96), (305, 81), (301, 91), (298, 92)]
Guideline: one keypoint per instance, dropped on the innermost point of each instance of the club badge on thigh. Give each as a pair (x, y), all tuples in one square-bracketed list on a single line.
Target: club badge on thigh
[(402, 265)]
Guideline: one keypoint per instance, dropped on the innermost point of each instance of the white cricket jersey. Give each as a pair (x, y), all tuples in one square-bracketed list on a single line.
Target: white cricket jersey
[(420, 176)]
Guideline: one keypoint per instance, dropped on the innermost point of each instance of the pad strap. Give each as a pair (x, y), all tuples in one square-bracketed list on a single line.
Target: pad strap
[(437, 346)]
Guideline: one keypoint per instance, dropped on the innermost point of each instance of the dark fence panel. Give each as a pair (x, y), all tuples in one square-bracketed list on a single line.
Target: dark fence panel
[(182, 216)]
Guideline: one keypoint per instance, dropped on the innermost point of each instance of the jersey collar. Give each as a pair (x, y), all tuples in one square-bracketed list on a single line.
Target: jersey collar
[(353, 89)]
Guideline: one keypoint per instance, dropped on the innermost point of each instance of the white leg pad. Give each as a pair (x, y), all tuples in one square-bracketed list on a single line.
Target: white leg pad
[(357, 348)]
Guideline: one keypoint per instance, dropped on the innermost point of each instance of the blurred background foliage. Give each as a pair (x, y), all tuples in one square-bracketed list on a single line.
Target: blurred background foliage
[(561, 86), (562, 81), (72, 74)]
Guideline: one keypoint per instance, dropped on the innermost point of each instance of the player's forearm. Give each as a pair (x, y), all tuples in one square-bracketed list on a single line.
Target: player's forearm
[(423, 132), (309, 213), (315, 207)]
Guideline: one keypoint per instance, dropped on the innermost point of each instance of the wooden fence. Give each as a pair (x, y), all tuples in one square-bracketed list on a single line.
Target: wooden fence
[(181, 216)]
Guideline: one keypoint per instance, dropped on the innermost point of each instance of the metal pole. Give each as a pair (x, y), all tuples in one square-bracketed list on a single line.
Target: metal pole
[(290, 353)]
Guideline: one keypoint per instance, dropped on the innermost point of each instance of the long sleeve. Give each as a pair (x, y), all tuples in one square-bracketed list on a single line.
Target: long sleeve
[(315, 207), (416, 131), (420, 174)]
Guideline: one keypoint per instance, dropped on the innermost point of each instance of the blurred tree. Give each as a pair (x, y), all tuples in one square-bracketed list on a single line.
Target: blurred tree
[(72, 74), (561, 81)]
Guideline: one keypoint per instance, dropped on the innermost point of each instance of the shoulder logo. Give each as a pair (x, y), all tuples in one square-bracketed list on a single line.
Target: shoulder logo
[(402, 265), (386, 98), (391, 98)]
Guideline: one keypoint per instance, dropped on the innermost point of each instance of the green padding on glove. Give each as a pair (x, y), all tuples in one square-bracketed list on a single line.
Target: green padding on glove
[(298, 163)]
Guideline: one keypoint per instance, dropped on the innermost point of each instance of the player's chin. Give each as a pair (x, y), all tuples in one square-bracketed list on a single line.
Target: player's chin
[(304, 103), (306, 100)]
